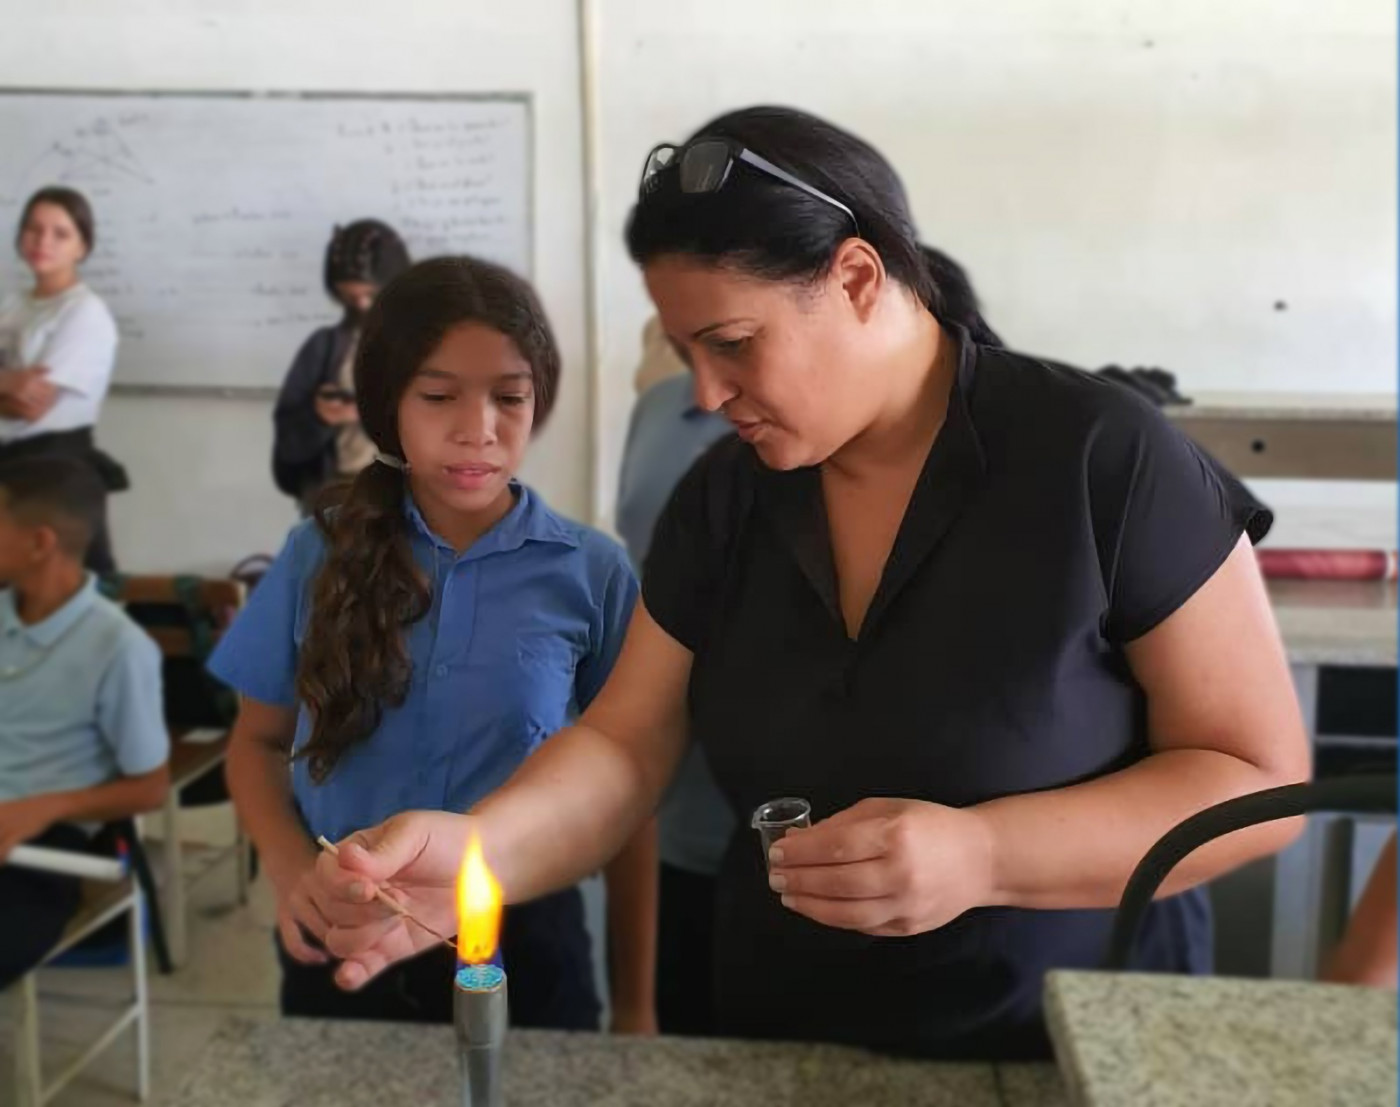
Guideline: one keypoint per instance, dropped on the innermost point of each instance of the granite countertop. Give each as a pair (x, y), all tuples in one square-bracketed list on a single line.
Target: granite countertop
[(1313, 406), (1327, 622), (311, 1063), (1133, 1040)]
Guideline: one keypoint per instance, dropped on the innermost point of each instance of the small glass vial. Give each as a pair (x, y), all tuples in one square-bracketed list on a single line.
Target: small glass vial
[(776, 817)]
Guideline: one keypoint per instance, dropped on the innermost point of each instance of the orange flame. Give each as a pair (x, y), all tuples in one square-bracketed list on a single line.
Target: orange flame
[(478, 907)]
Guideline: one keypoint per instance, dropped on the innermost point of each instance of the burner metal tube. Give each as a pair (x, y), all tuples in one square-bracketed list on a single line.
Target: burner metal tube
[(479, 1016)]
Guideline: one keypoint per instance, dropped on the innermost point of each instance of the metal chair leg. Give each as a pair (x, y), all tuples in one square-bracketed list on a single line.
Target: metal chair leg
[(29, 1074), (174, 902), (143, 1006)]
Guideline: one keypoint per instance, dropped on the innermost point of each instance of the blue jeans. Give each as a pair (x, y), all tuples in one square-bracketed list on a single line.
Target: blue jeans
[(35, 906)]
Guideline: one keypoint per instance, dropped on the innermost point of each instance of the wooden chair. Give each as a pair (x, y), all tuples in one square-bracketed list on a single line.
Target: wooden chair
[(102, 902), (217, 601)]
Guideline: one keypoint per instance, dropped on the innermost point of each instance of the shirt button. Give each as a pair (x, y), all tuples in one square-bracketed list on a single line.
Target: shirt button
[(442, 670)]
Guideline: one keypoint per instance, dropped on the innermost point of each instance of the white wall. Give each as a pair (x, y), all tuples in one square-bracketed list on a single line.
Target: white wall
[(1125, 182), (203, 493)]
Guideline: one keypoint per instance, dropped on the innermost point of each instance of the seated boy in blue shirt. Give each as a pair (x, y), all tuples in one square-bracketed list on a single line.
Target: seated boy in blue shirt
[(82, 733)]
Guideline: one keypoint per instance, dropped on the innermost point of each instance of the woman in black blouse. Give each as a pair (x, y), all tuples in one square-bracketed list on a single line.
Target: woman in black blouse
[(996, 619)]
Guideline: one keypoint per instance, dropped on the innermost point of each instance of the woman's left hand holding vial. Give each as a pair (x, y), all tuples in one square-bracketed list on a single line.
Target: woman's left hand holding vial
[(887, 867)]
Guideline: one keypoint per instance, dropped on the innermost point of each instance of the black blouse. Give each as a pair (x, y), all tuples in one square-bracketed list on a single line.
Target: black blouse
[(1057, 517)]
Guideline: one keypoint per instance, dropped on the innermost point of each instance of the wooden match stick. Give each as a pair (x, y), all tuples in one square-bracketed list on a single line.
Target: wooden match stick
[(393, 905)]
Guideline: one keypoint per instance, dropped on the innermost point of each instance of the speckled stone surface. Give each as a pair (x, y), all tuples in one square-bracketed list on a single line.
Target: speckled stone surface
[(1031, 1085), (1333, 622), (309, 1063), (1131, 1040)]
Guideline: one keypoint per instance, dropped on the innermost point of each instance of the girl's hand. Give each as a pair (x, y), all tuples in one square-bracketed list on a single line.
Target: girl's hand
[(300, 924), (415, 857), (305, 897), (888, 867)]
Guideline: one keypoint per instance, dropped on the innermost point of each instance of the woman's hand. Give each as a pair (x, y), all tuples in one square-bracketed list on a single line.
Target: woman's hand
[(889, 867), (27, 394), (415, 857)]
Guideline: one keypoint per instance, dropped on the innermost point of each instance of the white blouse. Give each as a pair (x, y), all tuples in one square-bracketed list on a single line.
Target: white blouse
[(75, 337)]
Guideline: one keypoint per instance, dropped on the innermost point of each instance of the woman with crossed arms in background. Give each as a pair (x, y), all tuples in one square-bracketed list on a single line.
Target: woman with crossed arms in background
[(996, 619), (58, 345)]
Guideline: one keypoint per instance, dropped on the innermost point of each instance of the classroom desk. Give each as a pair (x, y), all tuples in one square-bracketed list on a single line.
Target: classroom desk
[(312, 1063), (1308, 436), (1127, 1040), (1122, 1040), (1337, 624), (1314, 436), (354, 1064)]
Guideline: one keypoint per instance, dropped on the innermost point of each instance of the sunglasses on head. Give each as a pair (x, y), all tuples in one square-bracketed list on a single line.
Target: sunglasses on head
[(705, 165)]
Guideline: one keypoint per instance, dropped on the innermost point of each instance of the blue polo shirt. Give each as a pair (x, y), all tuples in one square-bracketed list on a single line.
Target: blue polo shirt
[(665, 437), (80, 698), (523, 631)]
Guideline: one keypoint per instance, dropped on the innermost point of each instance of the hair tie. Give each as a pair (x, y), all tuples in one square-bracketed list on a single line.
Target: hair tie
[(390, 460)]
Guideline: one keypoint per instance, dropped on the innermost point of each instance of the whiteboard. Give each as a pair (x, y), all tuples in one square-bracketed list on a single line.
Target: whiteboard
[(214, 210)]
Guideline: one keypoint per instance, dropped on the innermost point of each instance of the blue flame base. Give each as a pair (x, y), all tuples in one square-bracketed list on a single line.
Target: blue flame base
[(480, 978)]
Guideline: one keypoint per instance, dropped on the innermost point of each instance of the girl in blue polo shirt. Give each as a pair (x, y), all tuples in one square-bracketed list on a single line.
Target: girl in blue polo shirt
[(416, 641)]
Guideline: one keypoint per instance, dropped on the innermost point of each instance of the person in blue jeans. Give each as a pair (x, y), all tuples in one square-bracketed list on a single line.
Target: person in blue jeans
[(416, 641)]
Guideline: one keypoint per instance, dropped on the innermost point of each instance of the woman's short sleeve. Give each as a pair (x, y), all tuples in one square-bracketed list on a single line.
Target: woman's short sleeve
[(1166, 515), (82, 350)]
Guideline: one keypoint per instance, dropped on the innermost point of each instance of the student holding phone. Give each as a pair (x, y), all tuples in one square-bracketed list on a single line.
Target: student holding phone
[(318, 439)]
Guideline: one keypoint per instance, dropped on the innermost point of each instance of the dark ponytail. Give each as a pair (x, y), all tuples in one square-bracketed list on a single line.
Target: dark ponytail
[(354, 661), (768, 229), (960, 305)]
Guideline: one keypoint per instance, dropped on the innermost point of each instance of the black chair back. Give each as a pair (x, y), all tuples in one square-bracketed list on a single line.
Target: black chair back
[(1362, 795), (118, 838)]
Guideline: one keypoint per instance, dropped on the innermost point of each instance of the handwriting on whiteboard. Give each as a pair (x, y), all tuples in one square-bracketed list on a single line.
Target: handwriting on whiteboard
[(214, 212)]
